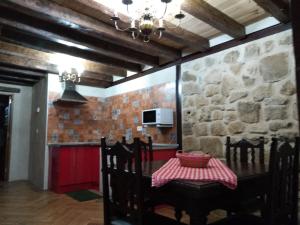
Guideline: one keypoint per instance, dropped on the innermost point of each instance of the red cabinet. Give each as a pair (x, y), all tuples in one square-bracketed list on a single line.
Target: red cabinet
[(74, 168), (164, 154)]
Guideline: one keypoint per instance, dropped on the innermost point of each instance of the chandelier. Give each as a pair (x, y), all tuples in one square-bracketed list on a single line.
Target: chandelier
[(69, 75), (147, 16)]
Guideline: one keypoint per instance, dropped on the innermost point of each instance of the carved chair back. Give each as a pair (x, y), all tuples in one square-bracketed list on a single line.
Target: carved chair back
[(122, 182), (243, 148), (282, 199), (146, 148)]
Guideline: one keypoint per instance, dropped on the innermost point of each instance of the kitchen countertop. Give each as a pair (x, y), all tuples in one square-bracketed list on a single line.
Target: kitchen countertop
[(73, 144), (156, 146)]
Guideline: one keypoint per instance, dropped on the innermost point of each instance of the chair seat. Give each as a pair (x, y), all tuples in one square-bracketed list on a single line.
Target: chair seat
[(247, 205), (149, 219), (240, 220)]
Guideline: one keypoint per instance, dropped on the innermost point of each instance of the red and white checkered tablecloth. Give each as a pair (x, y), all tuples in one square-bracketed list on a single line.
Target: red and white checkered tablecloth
[(216, 171)]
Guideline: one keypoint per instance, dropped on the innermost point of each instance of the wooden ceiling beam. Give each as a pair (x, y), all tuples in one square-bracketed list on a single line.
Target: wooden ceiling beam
[(17, 77), (31, 73), (17, 82), (11, 59), (95, 82), (97, 76), (103, 13), (10, 62), (201, 10), (277, 8), (50, 11), (40, 43), (28, 53), (58, 33)]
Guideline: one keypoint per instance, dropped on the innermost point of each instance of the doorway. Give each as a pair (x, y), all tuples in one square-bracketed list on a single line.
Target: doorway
[(5, 109)]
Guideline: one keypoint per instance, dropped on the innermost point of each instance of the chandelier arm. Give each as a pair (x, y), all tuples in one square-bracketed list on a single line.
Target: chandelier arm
[(134, 35), (118, 28), (160, 34), (165, 11)]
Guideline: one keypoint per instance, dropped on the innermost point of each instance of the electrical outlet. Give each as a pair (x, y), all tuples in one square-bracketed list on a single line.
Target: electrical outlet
[(139, 128)]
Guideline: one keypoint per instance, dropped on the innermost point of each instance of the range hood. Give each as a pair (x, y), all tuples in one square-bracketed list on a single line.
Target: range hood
[(70, 95)]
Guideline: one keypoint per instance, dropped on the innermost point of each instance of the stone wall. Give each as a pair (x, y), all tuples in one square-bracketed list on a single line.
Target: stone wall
[(247, 91)]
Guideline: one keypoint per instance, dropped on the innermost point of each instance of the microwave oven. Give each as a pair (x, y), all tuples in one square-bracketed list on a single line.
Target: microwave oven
[(158, 116)]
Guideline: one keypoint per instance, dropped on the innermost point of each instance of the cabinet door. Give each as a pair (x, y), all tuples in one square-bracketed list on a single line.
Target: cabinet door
[(164, 154), (95, 162), (67, 166), (83, 165)]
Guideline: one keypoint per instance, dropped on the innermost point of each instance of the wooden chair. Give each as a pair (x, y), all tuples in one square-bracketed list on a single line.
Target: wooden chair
[(147, 148), (242, 148), (123, 195), (281, 207), (240, 152)]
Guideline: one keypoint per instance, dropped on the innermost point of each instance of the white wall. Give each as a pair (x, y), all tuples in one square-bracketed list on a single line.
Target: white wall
[(160, 77), (20, 133)]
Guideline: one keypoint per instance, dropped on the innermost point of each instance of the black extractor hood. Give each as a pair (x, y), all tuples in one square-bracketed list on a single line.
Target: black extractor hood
[(70, 95)]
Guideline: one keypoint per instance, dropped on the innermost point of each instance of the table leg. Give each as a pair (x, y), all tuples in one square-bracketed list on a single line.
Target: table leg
[(178, 214), (198, 218)]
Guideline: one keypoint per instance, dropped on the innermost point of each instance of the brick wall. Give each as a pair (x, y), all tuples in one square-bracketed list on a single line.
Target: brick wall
[(112, 117)]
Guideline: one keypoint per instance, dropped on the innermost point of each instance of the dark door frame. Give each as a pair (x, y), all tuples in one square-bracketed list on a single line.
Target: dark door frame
[(8, 138), (295, 6)]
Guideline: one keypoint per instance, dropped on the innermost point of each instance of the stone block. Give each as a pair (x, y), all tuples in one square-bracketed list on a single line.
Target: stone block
[(230, 116), (287, 40), (234, 96), (277, 100), (217, 115), (190, 143), (295, 111), (187, 101), (213, 77), (249, 112), (187, 129), (227, 85), (269, 46), (190, 88), (258, 129), (187, 76), (218, 129), (198, 65), (248, 81), (201, 129), (189, 114), (262, 92), (288, 88), (204, 114), (216, 107), (232, 57), (275, 113), (251, 51), (200, 101), (236, 127), (290, 135), (209, 61), (277, 125), (212, 145), (218, 99), (275, 67), (211, 90), (236, 68)]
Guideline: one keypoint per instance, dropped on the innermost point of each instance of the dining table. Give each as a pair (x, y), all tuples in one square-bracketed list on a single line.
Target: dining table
[(198, 198)]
